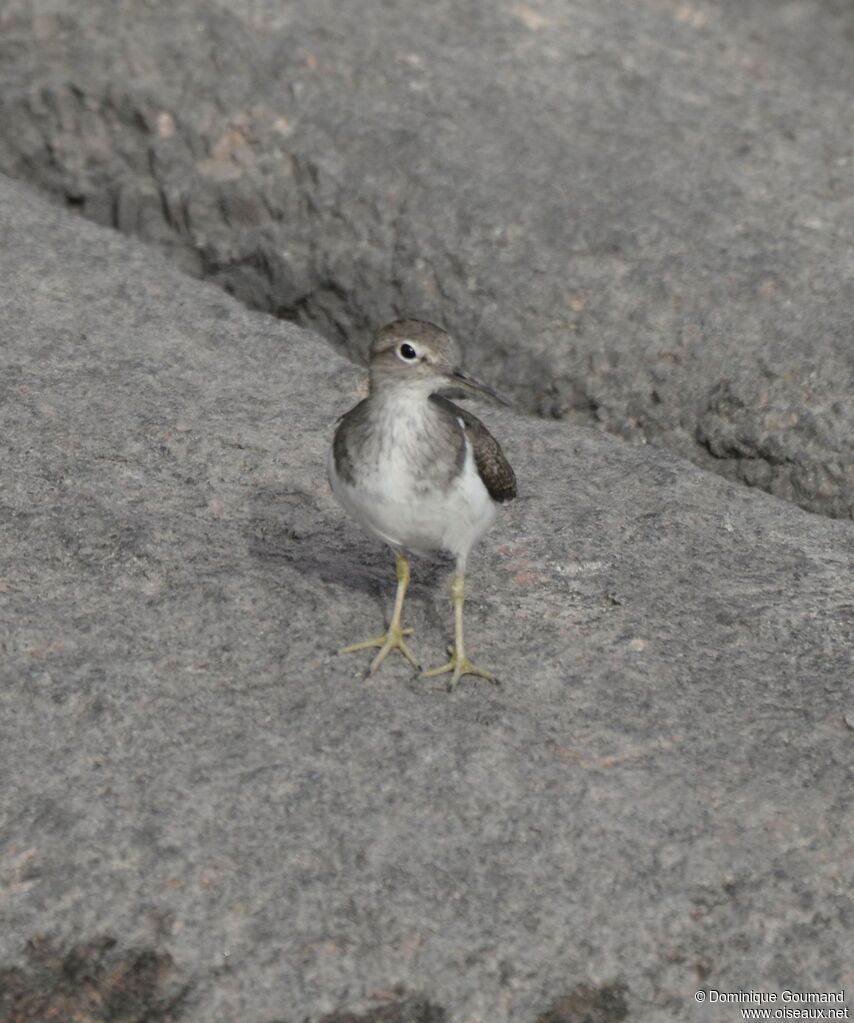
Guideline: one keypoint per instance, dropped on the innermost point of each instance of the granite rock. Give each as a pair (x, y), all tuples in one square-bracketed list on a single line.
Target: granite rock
[(206, 814), (638, 215)]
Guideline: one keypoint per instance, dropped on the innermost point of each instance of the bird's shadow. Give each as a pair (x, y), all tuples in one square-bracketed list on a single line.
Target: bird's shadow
[(292, 526)]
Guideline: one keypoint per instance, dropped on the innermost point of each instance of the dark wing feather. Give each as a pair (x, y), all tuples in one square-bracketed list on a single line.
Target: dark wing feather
[(492, 467), (348, 435)]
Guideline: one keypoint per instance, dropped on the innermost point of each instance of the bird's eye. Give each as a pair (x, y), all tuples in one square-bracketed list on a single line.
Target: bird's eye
[(407, 351)]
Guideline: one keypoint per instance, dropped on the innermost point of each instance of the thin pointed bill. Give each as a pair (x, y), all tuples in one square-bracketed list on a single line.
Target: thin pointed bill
[(468, 384)]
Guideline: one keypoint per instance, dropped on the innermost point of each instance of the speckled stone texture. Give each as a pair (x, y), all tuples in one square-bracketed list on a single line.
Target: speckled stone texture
[(637, 214), (206, 815)]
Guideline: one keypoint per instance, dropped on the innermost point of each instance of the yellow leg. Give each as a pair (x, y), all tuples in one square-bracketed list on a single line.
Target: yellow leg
[(459, 664), (393, 639)]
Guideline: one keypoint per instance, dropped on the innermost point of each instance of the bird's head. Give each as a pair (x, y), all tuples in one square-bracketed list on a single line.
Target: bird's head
[(423, 358)]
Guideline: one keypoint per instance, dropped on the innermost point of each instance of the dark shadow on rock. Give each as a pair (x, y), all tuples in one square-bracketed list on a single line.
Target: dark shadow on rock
[(290, 526), (95, 981), (588, 1004), (412, 1009)]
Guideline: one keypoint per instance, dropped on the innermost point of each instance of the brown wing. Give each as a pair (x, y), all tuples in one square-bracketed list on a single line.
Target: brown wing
[(348, 436), (492, 467)]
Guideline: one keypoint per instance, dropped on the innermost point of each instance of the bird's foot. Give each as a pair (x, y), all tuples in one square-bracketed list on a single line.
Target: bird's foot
[(459, 665), (391, 640)]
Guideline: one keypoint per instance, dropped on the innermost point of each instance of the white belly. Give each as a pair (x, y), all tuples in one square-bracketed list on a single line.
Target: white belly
[(398, 509)]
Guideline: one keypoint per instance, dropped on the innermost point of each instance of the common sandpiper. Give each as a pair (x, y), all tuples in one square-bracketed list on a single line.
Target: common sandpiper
[(418, 471)]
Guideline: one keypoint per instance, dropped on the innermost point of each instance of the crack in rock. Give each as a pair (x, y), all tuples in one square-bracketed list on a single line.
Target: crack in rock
[(615, 233)]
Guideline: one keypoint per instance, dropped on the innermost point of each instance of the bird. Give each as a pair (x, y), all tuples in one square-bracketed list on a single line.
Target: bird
[(419, 472)]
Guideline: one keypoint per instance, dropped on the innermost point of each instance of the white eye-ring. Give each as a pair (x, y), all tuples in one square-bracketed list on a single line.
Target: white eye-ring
[(407, 352)]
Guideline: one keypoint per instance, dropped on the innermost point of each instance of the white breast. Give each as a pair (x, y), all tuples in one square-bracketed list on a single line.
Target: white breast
[(396, 507)]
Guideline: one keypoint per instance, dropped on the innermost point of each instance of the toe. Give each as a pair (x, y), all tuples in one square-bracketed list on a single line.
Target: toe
[(441, 670), (408, 654), (365, 645)]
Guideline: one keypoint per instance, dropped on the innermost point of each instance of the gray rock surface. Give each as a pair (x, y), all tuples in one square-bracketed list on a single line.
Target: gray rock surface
[(638, 214), (206, 815)]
